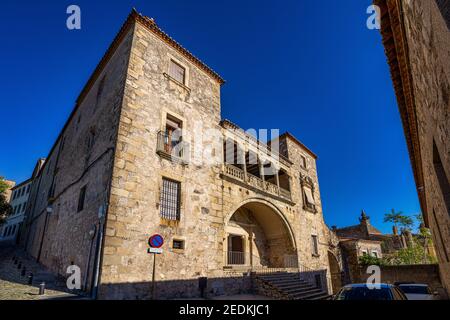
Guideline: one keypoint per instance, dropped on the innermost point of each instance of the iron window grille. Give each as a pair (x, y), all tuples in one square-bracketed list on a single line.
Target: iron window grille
[(170, 201)]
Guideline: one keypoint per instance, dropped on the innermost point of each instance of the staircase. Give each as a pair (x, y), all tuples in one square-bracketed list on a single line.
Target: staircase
[(288, 286)]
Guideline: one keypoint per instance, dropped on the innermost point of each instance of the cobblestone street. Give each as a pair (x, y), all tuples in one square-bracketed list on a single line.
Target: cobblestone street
[(14, 285)]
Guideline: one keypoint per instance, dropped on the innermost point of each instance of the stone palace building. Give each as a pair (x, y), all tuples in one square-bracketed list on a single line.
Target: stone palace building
[(145, 151)]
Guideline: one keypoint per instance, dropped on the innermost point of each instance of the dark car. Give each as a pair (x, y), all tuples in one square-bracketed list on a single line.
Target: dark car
[(362, 291)]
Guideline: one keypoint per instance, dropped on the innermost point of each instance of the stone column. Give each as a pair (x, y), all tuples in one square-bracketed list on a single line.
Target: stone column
[(244, 164), (277, 176), (261, 169)]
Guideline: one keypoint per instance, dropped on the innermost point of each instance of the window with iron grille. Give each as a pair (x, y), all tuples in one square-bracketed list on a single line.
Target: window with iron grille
[(170, 199), (177, 72)]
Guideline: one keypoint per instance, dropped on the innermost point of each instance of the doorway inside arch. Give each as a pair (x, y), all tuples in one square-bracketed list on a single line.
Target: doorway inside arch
[(258, 237)]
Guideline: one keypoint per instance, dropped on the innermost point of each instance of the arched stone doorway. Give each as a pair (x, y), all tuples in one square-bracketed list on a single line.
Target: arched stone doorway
[(258, 236), (335, 271)]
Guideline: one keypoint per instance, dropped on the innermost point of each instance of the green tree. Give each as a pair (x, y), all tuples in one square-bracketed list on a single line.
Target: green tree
[(5, 207), (398, 219), (415, 254), (369, 260)]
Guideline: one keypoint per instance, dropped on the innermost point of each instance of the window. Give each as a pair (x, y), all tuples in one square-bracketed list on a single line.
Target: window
[(308, 199), (170, 199), (375, 253), (90, 140), (315, 245), (364, 252), (177, 72), (178, 244), (303, 162), (170, 138), (441, 177), (81, 199), (28, 188), (101, 86)]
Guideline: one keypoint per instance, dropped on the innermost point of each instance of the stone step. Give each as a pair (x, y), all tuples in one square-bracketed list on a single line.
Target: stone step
[(277, 276), (310, 295), (294, 285), (294, 290), (324, 296), (285, 281), (302, 292)]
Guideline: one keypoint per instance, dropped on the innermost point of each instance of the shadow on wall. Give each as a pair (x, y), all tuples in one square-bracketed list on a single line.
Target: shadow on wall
[(200, 288)]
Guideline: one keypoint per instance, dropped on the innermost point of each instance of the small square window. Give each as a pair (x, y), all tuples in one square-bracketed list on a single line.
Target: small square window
[(178, 244)]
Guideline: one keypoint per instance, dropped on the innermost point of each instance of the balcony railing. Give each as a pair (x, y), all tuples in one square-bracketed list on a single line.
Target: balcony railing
[(255, 182), (236, 258), (176, 150)]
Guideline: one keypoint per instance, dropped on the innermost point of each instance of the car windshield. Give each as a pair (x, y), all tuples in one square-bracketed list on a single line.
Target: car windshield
[(414, 289), (364, 293)]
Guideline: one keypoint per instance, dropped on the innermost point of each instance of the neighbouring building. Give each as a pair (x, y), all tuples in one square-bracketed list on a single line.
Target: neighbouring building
[(10, 230), (364, 239), (131, 162), (416, 38), (8, 192)]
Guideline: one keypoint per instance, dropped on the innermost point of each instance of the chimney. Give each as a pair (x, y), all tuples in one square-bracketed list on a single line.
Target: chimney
[(395, 230)]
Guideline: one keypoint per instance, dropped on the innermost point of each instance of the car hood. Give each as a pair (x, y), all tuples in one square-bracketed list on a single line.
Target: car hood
[(411, 296)]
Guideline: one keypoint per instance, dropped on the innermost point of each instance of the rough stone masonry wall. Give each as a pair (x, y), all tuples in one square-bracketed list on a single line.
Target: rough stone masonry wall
[(306, 222), (137, 178), (207, 200), (429, 53), (66, 240)]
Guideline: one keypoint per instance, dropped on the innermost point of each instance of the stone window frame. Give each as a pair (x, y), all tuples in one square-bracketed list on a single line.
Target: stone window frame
[(165, 114), (305, 162), (315, 252), (374, 253), (307, 182), (171, 176), (171, 58), (178, 238)]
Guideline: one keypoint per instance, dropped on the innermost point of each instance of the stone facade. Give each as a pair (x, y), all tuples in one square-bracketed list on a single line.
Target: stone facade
[(232, 218), (417, 41), (8, 192)]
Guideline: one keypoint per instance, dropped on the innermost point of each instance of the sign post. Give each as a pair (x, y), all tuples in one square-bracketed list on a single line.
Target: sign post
[(155, 242)]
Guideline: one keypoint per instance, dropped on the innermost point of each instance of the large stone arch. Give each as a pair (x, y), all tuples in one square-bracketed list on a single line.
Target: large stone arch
[(258, 234)]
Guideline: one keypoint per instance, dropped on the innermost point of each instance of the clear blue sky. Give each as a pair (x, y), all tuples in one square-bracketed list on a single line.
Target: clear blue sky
[(308, 67)]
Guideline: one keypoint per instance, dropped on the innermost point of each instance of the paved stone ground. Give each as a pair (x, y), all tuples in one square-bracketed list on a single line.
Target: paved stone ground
[(14, 286)]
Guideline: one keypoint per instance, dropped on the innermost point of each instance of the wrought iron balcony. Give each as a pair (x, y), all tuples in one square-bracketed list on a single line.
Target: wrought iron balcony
[(172, 149)]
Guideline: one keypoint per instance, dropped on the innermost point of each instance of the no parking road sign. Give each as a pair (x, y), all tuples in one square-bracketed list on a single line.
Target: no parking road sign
[(156, 241)]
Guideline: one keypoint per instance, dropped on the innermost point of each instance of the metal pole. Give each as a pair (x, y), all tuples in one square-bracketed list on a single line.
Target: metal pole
[(153, 276)]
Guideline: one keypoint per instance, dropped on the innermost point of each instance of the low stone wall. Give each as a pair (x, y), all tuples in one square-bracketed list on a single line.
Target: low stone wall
[(178, 289), (425, 273)]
